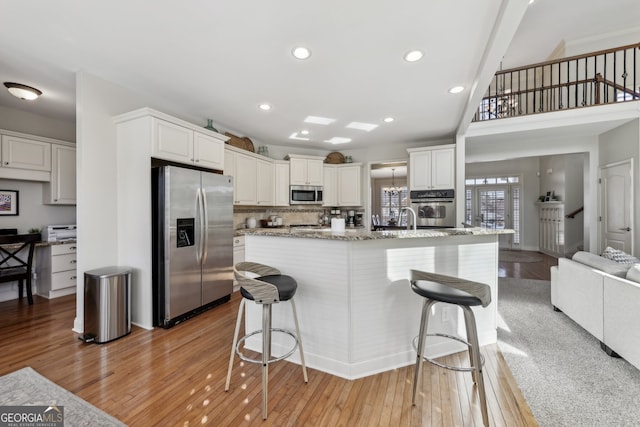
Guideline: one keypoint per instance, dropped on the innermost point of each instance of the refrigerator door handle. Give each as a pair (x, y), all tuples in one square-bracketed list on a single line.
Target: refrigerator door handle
[(205, 227), (199, 222)]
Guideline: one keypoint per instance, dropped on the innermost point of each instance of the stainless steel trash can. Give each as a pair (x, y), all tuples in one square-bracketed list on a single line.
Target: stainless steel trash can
[(107, 304)]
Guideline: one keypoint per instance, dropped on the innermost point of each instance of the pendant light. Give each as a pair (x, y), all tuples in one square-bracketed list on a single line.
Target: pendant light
[(393, 190)]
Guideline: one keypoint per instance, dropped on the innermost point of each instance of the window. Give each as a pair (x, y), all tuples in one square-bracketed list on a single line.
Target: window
[(390, 204)]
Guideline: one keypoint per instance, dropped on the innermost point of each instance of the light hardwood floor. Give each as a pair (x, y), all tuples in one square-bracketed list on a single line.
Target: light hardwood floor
[(176, 377)]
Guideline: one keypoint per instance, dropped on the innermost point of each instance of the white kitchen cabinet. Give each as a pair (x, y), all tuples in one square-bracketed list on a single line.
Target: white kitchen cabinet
[(253, 177), (171, 141), (23, 153), (349, 187), (56, 269), (61, 190), (330, 185), (281, 183), (238, 256), (305, 170), (342, 185), (264, 182), (432, 168)]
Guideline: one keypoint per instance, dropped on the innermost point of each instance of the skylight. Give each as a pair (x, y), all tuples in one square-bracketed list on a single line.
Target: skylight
[(362, 126), (338, 140), (319, 120)]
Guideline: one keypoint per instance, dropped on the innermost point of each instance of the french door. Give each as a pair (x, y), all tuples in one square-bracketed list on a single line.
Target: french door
[(493, 211)]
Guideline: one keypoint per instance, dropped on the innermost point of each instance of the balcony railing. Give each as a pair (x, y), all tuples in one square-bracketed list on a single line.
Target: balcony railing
[(597, 78)]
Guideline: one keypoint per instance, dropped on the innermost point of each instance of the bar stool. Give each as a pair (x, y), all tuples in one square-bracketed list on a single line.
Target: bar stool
[(437, 288), (264, 285)]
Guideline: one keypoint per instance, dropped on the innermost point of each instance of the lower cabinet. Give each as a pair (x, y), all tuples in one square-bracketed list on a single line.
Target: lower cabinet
[(57, 270)]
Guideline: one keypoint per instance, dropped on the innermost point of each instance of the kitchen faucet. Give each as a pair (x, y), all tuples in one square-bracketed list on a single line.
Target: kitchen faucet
[(415, 219)]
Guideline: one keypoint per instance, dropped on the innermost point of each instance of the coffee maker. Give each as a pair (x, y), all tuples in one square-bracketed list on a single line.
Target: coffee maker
[(351, 218)]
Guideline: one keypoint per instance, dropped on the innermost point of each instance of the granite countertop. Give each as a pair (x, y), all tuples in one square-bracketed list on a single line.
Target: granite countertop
[(363, 234)]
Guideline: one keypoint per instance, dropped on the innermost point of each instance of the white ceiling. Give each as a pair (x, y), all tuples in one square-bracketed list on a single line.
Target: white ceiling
[(220, 59)]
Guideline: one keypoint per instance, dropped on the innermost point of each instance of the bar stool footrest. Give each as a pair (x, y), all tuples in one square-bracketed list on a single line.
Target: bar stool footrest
[(271, 359), (414, 342)]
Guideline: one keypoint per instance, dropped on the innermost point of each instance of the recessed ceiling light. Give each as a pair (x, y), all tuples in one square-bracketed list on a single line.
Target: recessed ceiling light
[(413, 56), (304, 132), (22, 91), (338, 140), (301, 52), (362, 126), (264, 107), (388, 119), (456, 89), (319, 120)]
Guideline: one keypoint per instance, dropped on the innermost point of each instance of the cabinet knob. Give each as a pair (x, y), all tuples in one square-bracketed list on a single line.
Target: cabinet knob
[(73, 261), (73, 248), (73, 278), (6, 163)]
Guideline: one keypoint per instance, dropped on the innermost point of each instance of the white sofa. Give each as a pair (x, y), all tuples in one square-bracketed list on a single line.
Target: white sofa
[(602, 296)]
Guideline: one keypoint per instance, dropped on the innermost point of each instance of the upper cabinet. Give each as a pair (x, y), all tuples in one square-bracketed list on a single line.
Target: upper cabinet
[(178, 143), (253, 177), (61, 190), (32, 158), (305, 170), (342, 185), (432, 168), (281, 183)]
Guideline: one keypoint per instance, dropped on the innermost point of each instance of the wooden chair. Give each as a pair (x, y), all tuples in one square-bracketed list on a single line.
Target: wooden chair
[(17, 266)]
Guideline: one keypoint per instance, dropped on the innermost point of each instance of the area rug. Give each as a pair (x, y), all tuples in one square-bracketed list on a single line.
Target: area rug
[(518, 256), (564, 376), (27, 387)]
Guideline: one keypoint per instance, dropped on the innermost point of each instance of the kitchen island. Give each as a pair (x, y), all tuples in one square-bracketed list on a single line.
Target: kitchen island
[(356, 309)]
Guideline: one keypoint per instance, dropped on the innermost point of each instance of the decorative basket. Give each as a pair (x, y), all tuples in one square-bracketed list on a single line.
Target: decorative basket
[(240, 142), (334, 158)]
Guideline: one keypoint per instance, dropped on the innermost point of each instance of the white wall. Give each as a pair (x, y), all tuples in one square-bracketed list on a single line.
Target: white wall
[(32, 212), (619, 144), (34, 124), (98, 101)]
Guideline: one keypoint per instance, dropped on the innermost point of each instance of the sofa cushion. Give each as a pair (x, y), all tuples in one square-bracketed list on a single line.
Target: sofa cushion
[(619, 256), (602, 264), (634, 273)]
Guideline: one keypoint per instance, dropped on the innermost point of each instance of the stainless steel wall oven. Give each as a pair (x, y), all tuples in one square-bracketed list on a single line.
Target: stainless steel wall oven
[(434, 208)]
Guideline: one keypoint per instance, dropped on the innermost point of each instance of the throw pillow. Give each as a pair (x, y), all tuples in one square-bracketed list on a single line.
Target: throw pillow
[(619, 256)]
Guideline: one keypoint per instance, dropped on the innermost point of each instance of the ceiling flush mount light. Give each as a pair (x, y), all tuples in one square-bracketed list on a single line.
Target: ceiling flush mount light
[(300, 52), (388, 119), (264, 107), (456, 89), (413, 56), (22, 91)]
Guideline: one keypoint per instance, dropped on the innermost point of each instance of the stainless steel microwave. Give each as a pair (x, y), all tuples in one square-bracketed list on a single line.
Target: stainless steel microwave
[(305, 195)]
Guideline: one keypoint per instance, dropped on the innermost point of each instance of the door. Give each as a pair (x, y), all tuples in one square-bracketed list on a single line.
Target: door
[(182, 291), (217, 259), (492, 211), (616, 198)]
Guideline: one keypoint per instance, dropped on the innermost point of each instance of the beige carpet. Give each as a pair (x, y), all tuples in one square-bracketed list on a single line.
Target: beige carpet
[(518, 256), (26, 387)]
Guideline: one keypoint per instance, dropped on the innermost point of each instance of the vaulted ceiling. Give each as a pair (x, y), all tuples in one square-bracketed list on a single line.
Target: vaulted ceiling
[(222, 59)]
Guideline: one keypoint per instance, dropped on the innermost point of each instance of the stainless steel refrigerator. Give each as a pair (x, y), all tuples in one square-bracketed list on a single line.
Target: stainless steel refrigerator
[(192, 241)]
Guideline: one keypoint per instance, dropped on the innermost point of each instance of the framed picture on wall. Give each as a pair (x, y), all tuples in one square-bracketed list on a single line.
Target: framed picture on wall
[(9, 202), (549, 196)]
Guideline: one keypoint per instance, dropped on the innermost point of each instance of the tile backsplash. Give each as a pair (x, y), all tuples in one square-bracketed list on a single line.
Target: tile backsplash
[(290, 215)]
